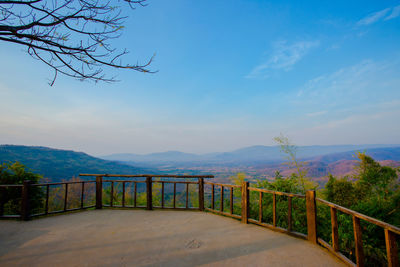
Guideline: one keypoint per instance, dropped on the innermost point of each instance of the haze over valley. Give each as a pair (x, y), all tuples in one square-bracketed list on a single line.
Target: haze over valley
[(256, 162)]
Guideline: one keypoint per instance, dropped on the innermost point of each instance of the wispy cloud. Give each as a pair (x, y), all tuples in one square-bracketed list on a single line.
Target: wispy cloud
[(354, 86), (283, 57), (316, 114), (357, 128), (395, 13), (384, 14)]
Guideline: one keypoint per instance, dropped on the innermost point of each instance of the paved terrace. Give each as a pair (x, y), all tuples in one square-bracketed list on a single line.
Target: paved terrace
[(151, 238)]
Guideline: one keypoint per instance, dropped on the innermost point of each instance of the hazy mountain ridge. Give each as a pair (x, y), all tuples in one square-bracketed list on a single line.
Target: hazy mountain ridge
[(57, 164), (258, 164), (386, 153), (257, 154)]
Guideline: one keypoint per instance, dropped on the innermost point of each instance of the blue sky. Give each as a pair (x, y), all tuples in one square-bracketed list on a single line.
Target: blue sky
[(230, 74)]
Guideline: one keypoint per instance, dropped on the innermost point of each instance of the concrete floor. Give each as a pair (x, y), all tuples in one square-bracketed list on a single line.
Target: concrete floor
[(151, 238)]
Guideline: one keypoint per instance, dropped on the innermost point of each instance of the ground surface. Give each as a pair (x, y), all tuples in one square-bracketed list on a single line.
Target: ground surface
[(151, 238)]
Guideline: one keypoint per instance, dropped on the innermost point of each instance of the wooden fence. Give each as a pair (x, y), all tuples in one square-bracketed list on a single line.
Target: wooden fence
[(391, 232)]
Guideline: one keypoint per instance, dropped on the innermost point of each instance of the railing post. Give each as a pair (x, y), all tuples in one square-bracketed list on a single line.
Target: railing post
[(162, 194), (123, 194), (212, 196), (260, 210), (245, 201), (149, 193), (66, 197), (201, 194), (289, 214), (311, 216), (231, 200), (358, 241), (25, 208), (99, 192), (334, 226), (2, 193), (391, 249), (112, 194), (221, 204), (82, 194), (274, 209)]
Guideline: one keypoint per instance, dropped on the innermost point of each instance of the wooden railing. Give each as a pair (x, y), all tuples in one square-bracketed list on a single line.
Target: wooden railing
[(242, 200), (274, 194), (149, 191), (389, 230), (221, 206), (22, 200), (26, 214)]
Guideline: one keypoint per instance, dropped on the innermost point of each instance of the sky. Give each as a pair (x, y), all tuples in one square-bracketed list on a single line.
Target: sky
[(230, 74)]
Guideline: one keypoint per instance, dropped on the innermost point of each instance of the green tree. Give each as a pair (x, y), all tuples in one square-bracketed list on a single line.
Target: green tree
[(373, 191), (340, 191), (374, 180), (300, 176), (10, 197)]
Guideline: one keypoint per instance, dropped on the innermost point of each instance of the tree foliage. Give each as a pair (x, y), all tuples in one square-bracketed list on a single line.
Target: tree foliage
[(373, 191), (10, 197), (300, 176), (72, 37)]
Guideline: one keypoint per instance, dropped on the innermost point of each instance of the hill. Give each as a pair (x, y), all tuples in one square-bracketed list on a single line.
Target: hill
[(381, 153), (57, 164), (168, 156), (247, 155)]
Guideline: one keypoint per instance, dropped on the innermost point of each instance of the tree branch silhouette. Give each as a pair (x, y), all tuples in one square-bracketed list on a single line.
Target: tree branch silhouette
[(70, 36)]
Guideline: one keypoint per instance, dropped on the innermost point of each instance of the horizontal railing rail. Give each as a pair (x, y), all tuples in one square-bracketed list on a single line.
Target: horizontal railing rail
[(221, 210), (148, 175), (390, 232), (232, 203), (65, 208), (274, 225), (10, 185), (3, 189)]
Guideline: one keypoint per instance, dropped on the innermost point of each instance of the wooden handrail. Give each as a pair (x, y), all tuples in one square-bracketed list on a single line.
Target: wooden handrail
[(390, 227), (390, 231), (123, 181), (276, 192), (63, 183), (176, 182), (224, 185), (148, 175), (11, 185)]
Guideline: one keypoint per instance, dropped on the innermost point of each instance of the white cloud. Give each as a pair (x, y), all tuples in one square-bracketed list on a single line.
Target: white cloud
[(395, 13), (361, 128), (352, 84), (283, 57), (336, 100), (317, 113), (380, 15), (374, 17)]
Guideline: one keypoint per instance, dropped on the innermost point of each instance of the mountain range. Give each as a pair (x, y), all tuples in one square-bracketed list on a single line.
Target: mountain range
[(256, 161), (57, 164), (261, 162), (260, 154)]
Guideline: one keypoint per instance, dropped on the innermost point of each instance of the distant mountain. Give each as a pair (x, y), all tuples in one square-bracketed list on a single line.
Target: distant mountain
[(337, 164), (253, 154), (382, 153), (169, 156), (57, 164)]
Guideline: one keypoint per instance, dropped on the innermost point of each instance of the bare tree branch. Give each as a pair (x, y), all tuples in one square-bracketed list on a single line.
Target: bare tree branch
[(70, 36)]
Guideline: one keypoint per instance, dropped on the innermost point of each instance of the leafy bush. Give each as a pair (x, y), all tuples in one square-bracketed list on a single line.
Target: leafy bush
[(10, 197)]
